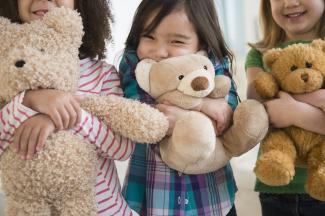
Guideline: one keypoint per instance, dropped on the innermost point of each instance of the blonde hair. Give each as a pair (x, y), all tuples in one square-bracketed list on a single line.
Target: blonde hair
[(272, 33)]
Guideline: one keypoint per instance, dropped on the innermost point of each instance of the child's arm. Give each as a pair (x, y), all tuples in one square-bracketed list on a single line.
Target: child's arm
[(285, 111), (316, 98), (109, 143)]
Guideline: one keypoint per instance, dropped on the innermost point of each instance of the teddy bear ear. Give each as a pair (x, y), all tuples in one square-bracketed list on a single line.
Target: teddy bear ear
[(65, 22), (142, 73), (271, 56), (4, 26), (318, 44)]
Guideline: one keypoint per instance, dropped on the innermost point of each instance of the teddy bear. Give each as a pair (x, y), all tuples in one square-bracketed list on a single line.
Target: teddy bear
[(60, 179), (296, 69), (193, 147)]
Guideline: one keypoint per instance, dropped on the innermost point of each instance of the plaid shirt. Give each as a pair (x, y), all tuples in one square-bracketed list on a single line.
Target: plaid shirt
[(152, 188)]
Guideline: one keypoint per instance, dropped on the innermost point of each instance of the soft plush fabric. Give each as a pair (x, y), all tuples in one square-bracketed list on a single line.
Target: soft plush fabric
[(296, 69)]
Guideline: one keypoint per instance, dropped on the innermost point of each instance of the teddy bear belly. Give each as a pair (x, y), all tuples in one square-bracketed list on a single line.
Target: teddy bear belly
[(66, 164), (304, 141)]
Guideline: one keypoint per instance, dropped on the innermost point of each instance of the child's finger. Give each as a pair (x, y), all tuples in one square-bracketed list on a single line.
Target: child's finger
[(56, 118), (32, 143), (65, 117), (16, 138), (79, 98), (72, 115), (77, 109), (24, 141), (44, 133)]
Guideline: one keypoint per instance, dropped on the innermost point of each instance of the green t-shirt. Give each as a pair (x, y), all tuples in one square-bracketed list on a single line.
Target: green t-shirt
[(254, 59)]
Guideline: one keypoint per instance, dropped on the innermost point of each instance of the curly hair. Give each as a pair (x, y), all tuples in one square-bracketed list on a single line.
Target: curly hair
[(96, 16)]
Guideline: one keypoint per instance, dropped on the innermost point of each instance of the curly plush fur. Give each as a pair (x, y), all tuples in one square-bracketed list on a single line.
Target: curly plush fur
[(60, 179), (298, 68)]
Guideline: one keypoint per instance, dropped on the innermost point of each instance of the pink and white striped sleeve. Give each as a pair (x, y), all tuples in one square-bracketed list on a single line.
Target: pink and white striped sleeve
[(12, 115), (109, 144)]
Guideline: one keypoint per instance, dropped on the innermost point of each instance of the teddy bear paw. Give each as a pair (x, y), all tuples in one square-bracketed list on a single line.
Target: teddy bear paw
[(315, 184), (274, 168)]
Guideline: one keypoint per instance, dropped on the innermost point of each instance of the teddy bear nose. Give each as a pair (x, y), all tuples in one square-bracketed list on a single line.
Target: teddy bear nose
[(304, 77), (200, 83), (20, 63)]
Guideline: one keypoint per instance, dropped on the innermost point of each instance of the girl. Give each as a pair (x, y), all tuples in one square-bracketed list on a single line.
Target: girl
[(285, 22), (42, 111), (163, 29)]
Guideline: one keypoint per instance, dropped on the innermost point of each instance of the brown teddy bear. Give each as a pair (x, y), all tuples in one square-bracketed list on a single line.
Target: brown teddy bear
[(298, 68), (194, 147), (60, 179)]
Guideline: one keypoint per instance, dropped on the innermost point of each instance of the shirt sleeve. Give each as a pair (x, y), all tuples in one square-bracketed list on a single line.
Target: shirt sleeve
[(253, 59), (12, 115), (108, 143)]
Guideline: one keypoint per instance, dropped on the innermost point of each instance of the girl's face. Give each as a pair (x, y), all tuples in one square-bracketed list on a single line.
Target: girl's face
[(30, 10), (174, 36), (298, 18)]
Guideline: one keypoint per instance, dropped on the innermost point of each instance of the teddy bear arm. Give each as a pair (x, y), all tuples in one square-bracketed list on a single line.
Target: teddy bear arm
[(222, 87), (266, 85), (132, 119), (179, 99)]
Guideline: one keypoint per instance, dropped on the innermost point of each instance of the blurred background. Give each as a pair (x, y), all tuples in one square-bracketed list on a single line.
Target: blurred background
[(239, 22)]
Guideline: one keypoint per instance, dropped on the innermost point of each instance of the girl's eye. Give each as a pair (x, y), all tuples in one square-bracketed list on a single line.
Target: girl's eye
[(178, 42), (148, 36)]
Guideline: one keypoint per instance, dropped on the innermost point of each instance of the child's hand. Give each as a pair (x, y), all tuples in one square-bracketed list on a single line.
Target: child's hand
[(282, 110), (172, 113), (219, 110), (31, 135), (62, 107)]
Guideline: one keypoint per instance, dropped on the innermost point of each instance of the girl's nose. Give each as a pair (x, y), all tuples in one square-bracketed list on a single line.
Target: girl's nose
[(291, 3), (160, 53)]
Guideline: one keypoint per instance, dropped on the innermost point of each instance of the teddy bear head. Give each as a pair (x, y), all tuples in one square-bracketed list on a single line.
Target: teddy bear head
[(192, 75), (298, 68), (40, 54)]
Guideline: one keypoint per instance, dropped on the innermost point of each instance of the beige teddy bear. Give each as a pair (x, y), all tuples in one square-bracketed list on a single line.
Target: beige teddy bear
[(194, 147), (60, 179), (298, 68)]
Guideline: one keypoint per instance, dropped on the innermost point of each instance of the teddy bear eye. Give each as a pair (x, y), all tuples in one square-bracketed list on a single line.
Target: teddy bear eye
[(42, 50), (309, 65), (181, 77), (205, 67), (293, 68)]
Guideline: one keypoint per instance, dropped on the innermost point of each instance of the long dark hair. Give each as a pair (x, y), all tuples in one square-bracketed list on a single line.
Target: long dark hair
[(201, 13), (96, 16)]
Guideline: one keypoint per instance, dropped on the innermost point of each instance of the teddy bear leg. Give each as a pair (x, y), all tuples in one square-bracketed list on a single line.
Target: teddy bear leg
[(22, 207), (315, 184), (276, 164), (79, 203), (193, 139), (250, 125)]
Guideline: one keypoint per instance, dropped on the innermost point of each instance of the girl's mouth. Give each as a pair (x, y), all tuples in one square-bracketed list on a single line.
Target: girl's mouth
[(40, 12), (296, 15)]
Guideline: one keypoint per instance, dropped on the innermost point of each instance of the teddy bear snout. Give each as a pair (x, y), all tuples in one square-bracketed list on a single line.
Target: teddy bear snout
[(20, 63), (200, 83), (304, 77)]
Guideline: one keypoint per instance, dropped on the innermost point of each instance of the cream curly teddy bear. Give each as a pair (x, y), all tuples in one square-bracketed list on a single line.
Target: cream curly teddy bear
[(60, 178)]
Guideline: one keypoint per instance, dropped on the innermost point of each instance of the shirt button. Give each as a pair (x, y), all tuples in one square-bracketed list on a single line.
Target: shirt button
[(186, 201), (179, 174), (179, 200)]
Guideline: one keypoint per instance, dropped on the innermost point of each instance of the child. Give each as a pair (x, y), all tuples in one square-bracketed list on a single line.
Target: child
[(42, 111), (163, 29), (284, 23)]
